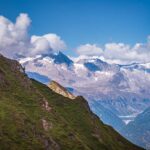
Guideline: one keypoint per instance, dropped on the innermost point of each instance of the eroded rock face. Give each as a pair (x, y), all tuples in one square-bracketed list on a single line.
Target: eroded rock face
[(56, 87), (46, 105)]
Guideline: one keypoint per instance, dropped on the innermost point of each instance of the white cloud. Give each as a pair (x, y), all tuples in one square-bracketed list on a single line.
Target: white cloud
[(54, 41), (22, 21), (14, 39), (118, 52), (89, 50), (40, 45), (127, 54), (13, 36)]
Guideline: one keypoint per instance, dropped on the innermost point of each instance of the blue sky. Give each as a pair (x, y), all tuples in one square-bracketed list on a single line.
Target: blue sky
[(85, 21)]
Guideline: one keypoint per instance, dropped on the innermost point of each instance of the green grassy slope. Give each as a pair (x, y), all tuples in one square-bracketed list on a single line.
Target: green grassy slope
[(33, 117)]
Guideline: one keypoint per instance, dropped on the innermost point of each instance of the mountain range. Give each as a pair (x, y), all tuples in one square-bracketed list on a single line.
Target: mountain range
[(33, 116), (136, 131), (116, 93)]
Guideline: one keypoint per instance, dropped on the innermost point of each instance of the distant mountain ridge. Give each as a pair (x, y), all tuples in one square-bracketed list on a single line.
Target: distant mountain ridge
[(138, 131), (107, 116), (110, 82), (38, 77)]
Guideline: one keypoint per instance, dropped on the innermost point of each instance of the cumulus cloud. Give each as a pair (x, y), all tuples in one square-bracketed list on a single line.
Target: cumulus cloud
[(54, 41), (14, 39), (14, 36), (118, 52), (89, 50)]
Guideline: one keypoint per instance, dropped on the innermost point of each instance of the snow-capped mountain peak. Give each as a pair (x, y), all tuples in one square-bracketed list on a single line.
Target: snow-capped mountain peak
[(120, 88)]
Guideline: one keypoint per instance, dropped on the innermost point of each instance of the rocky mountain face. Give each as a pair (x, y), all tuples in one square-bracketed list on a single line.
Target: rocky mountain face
[(107, 116), (56, 87), (138, 131), (32, 116)]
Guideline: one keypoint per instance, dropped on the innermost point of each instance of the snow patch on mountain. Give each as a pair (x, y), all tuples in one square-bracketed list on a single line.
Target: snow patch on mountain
[(122, 89)]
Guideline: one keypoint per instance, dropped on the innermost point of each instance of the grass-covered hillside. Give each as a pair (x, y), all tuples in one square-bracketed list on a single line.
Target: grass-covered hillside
[(33, 117)]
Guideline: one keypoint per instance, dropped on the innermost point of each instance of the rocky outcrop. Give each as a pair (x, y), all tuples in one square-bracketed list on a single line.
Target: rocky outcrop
[(56, 87)]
